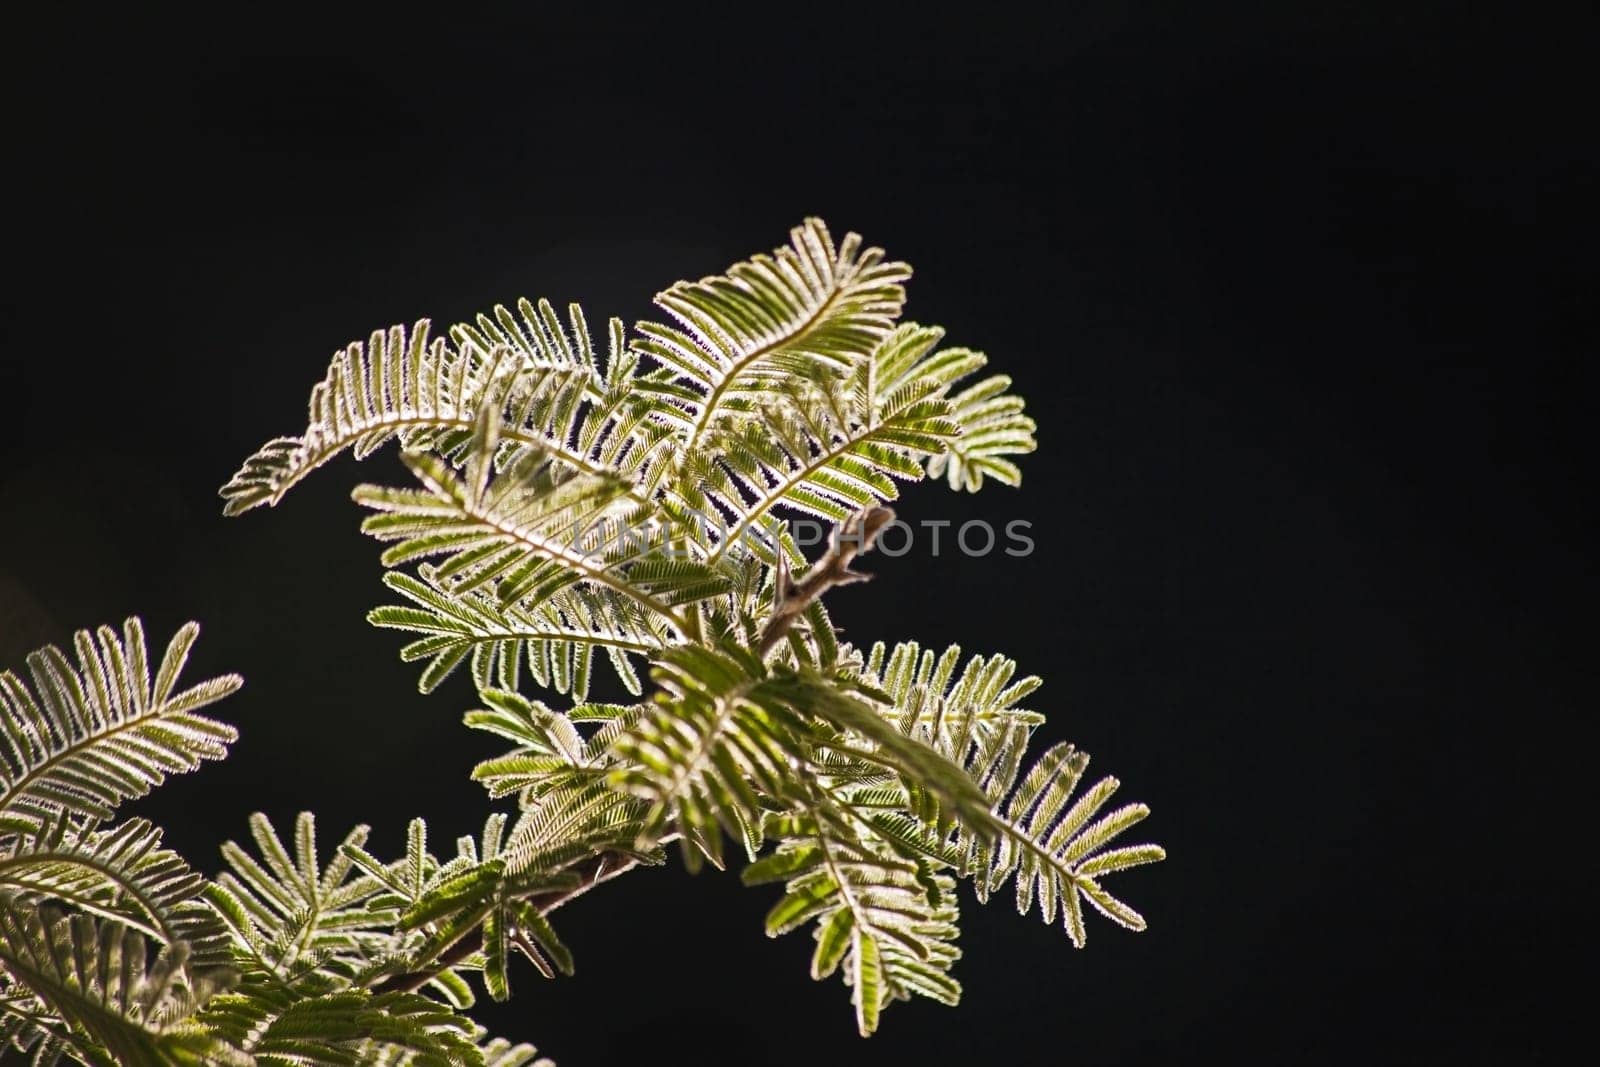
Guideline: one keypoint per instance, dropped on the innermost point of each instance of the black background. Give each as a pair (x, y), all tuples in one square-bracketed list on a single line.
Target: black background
[(1293, 291)]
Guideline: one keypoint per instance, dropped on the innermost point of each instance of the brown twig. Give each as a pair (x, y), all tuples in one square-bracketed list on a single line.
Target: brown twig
[(854, 537)]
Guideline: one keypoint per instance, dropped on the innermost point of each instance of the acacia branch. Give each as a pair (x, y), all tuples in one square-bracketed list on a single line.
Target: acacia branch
[(854, 537), (601, 867)]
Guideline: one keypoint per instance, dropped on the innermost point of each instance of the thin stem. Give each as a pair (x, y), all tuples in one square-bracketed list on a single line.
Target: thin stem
[(854, 537)]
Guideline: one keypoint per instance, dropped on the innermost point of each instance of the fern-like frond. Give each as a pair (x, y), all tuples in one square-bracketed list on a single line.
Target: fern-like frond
[(575, 828), (405, 883), (1056, 851), (120, 1009), (122, 874), (543, 377), (806, 304), (533, 531), (888, 922), (829, 450), (591, 418), (536, 334), (715, 741), (495, 1052), (314, 939), (550, 751), (833, 448), (569, 824), (86, 738), (726, 732), (495, 891), (491, 891), (953, 713), (306, 926), (990, 420), (1055, 848), (398, 382), (553, 639), (992, 427), (345, 1028), (29, 1028)]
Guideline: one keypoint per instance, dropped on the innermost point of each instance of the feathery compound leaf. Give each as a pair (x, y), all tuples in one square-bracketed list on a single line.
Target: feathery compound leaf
[(347, 1028), (719, 735), (121, 874), (551, 753), (992, 427), (770, 316), (395, 383), (543, 378), (831, 450), (121, 1009), (1055, 852), (888, 749), (305, 925), (561, 403), (29, 1028), (554, 640), (87, 738), (496, 887), (958, 716), (536, 334), (886, 921), (573, 823), (494, 1052), (990, 421), (725, 733), (533, 531)]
